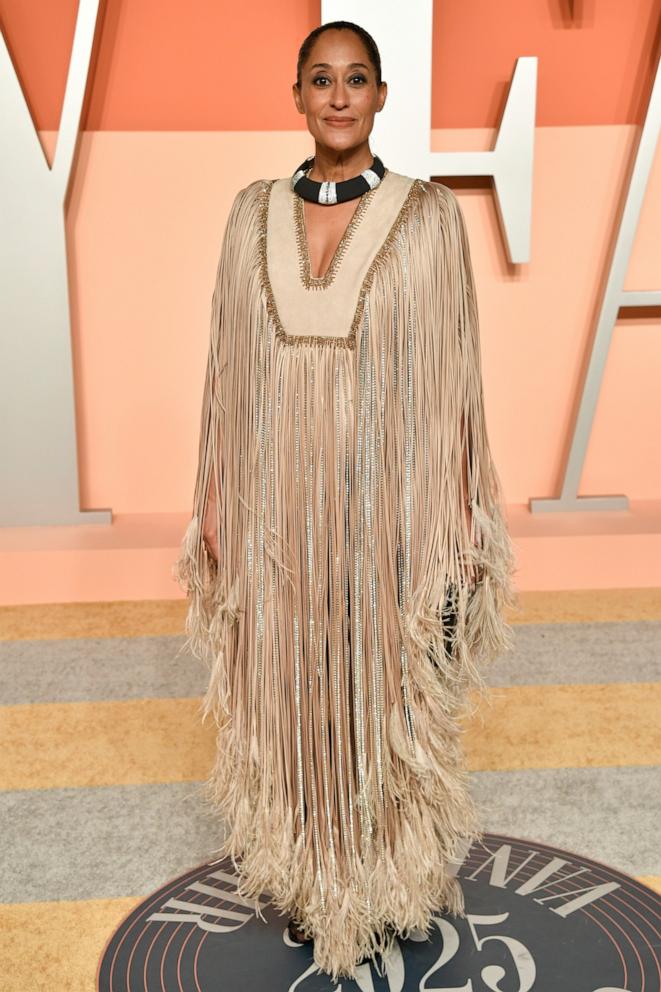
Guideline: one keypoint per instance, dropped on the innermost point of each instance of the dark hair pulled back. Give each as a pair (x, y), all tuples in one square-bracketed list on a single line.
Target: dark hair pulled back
[(365, 37)]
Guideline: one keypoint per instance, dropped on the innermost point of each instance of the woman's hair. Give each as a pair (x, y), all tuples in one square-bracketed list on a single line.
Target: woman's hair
[(365, 36)]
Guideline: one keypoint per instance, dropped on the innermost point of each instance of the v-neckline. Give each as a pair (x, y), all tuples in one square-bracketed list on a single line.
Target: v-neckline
[(276, 247), (305, 267)]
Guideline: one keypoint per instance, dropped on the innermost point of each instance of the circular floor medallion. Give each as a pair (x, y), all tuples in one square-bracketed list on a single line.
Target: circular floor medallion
[(539, 919)]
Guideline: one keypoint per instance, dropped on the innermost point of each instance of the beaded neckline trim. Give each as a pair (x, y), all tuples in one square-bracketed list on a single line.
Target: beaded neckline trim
[(342, 341), (305, 268)]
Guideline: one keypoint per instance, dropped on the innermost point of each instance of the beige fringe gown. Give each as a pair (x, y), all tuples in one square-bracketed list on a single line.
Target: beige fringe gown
[(336, 415)]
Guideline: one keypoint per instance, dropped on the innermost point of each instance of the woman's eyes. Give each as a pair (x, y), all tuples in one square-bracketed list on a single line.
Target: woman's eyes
[(359, 76)]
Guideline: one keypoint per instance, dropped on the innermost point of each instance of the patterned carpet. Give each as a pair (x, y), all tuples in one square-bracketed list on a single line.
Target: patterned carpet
[(103, 752)]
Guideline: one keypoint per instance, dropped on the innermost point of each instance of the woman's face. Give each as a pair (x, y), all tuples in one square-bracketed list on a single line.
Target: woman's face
[(338, 94)]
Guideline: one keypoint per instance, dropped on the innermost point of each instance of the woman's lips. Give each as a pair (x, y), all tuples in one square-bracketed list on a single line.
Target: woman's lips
[(339, 122)]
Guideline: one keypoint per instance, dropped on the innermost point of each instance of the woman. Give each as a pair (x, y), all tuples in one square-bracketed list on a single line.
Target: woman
[(347, 560)]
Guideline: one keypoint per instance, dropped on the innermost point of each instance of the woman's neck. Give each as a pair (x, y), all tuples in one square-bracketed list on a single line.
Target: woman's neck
[(336, 168)]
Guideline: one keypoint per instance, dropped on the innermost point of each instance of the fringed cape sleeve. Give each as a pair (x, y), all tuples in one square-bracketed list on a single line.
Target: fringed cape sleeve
[(212, 600), (487, 555)]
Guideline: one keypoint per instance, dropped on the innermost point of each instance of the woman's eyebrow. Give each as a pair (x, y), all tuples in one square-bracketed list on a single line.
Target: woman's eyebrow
[(326, 65)]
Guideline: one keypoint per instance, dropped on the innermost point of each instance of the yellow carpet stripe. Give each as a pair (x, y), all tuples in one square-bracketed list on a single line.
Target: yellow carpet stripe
[(137, 618), (131, 618), (48, 946), (128, 742), (589, 606), (652, 881), (37, 952), (65, 745), (567, 726)]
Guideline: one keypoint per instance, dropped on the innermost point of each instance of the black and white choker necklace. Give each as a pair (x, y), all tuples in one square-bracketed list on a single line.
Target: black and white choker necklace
[(329, 192)]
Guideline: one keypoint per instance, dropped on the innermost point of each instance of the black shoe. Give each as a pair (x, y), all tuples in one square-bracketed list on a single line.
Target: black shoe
[(368, 959), (296, 934)]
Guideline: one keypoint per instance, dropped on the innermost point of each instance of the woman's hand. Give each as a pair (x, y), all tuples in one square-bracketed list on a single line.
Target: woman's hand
[(468, 514), (211, 544), (209, 529), (466, 500)]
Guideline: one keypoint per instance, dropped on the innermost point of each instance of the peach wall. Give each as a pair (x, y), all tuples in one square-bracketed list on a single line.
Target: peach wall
[(163, 65), (144, 230), (179, 118)]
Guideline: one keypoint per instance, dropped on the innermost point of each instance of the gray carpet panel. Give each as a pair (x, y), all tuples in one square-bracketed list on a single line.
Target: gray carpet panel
[(127, 840), (91, 669), (609, 814), (572, 653), (102, 842)]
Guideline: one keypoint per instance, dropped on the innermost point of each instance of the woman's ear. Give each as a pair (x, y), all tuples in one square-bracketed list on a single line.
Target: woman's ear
[(296, 93)]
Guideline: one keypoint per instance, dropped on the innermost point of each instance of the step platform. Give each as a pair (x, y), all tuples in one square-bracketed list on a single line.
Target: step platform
[(538, 919)]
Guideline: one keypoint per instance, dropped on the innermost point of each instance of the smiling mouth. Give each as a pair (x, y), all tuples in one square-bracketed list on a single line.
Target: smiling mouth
[(339, 120)]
